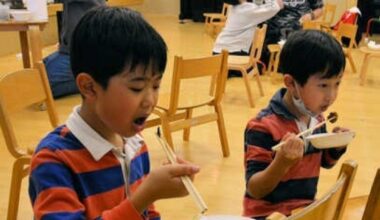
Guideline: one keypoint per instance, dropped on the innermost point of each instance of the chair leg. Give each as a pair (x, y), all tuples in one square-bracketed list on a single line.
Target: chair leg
[(166, 130), (18, 173), (213, 84), (351, 60), (364, 68), (248, 87), (222, 131), (256, 73), (186, 131)]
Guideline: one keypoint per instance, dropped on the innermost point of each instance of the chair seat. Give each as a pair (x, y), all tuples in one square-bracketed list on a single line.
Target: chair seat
[(196, 100), (238, 60), (355, 208), (215, 16)]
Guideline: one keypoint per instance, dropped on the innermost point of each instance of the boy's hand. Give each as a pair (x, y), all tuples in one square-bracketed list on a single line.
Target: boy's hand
[(292, 151), (163, 182), (340, 129)]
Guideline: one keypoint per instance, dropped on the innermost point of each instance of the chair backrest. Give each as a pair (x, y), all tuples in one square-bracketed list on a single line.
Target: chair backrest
[(372, 209), (213, 66), (257, 43), (328, 13), (331, 205), (351, 3), (225, 9), (127, 3), (311, 25), (19, 90), (347, 31)]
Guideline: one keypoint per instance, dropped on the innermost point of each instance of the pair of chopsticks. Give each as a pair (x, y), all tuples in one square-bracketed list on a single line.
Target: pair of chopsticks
[(332, 117), (185, 179)]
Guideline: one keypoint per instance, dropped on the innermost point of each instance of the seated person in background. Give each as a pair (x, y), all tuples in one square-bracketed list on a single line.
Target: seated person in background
[(96, 166), (243, 17), (57, 64), (313, 64), (289, 19)]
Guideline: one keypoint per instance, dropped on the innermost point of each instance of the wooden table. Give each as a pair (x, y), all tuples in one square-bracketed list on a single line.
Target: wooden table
[(368, 54), (54, 8), (25, 28)]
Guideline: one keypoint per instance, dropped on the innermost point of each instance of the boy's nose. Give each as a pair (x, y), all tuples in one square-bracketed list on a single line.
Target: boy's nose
[(150, 99), (332, 95)]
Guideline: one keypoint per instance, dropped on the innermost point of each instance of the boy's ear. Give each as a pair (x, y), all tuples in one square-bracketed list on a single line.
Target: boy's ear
[(289, 82), (86, 85)]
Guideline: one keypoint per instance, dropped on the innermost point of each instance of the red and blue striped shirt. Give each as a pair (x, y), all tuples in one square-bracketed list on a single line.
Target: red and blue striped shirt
[(71, 180), (298, 187)]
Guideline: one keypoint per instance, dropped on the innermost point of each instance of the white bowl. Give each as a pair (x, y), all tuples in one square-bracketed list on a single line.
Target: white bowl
[(330, 140), (372, 45), (20, 15), (223, 217)]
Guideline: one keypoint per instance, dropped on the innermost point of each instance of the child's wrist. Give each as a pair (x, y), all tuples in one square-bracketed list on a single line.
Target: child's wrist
[(281, 165)]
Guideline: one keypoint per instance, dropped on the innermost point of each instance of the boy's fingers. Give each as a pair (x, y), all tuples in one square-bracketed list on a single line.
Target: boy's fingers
[(183, 170), (181, 161), (336, 129), (165, 162), (340, 129), (287, 136)]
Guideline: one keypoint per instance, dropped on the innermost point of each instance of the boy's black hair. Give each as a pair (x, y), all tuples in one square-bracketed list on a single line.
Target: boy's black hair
[(232, 2), (310, 52), (110, 40)]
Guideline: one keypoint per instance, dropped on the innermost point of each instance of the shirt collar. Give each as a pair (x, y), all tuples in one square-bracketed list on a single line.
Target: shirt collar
[(278, 106), (91, 140)]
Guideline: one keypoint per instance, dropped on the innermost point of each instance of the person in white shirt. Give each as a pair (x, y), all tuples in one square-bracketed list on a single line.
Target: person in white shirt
[(243, 17)]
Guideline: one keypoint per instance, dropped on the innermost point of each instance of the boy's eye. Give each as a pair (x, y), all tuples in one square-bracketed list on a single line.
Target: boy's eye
[(156, 87), (136, 89)]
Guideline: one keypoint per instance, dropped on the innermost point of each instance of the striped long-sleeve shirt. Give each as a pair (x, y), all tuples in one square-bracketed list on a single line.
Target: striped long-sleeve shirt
[(298, 187), (69, 179)]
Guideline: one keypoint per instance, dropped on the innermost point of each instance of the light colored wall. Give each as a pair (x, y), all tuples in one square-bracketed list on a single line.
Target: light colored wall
[(9, 42)]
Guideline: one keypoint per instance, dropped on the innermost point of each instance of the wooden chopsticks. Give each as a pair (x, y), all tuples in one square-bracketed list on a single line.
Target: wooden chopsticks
[(185, 179), (329, 119)]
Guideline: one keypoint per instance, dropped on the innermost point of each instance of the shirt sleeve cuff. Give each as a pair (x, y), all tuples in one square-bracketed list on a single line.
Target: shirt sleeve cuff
[(123, 211)]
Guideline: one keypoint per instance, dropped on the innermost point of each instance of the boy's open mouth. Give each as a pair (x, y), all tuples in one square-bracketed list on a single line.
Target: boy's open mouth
[(139, 121)]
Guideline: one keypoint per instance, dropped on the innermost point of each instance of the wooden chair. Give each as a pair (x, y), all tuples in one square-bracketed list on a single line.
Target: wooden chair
[(175, 110), (331, 205), (20, 90), (214, 22), (124, 2), (347, 31), (244, 63), (351, 3), (328, 14), (313, 25), (372, 209), (365, 207), (326, 20)]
